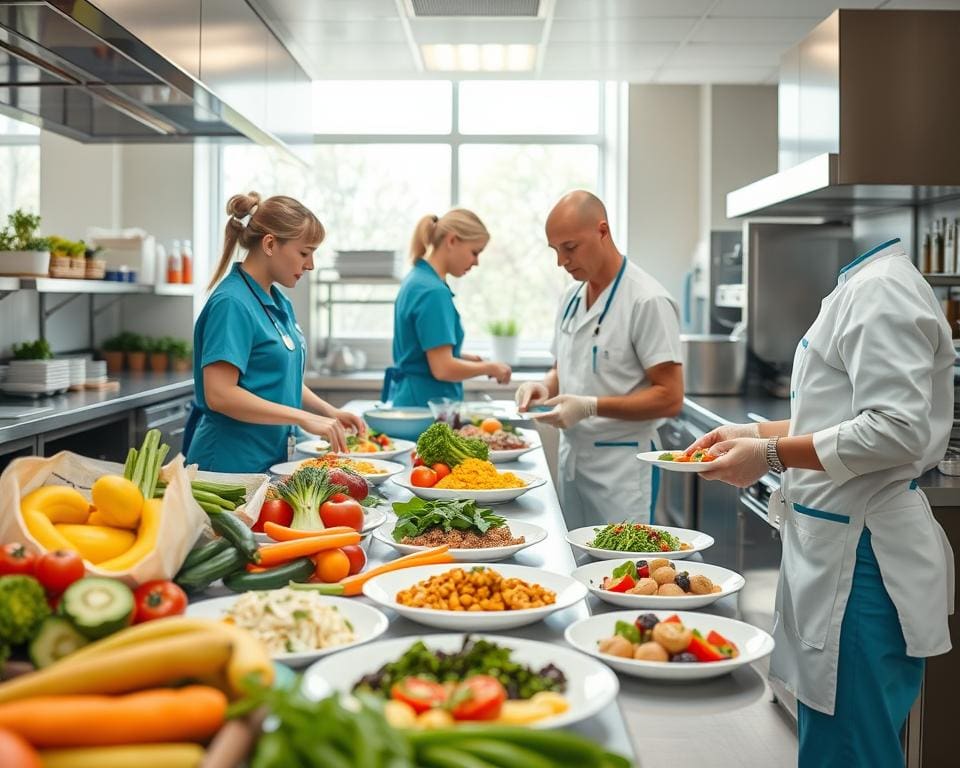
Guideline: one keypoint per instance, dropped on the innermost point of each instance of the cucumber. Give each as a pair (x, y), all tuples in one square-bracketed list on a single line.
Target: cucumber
[(57, 638), (296, 570), (204, 552), (234, 530), (208, 571), (98, 607)]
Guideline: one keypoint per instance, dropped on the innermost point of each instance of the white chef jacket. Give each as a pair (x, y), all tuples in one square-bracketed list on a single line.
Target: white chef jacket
[(600, 479), (873, 382)]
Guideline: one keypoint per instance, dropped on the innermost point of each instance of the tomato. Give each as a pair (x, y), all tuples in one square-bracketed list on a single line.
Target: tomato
[(477, 698), (332, 565), (341, 510), (423, 477), (442, 471), (491, 425), (383, 440), (15, 558), (416, 460), (274, 511), (419, 694), (58, 570), (356, 485), (157, 600), (357, 557), (16, 752)]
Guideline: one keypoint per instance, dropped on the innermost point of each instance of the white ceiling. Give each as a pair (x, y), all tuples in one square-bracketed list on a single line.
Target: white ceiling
[(643, 41)]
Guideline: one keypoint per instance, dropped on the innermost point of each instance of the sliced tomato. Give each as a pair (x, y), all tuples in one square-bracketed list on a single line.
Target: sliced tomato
[(419, 693), (16, 559), (477, 698), (157, 600), (274, 511)]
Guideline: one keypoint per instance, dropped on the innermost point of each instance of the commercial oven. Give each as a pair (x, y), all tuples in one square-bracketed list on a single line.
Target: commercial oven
[(170, 417)]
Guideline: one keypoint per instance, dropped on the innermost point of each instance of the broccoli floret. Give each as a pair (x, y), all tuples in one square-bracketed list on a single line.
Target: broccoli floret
[(440, 444), (23, 607)]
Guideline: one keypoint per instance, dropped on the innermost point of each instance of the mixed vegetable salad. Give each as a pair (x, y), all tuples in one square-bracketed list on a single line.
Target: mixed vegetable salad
[(681, 457), (635, 537)]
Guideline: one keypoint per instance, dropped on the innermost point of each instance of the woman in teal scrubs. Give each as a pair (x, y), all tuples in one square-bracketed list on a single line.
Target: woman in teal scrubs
[(249, 350), (427, 332)]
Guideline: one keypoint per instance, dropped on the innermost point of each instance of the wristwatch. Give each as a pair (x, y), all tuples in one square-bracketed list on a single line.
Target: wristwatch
[(773, 458)]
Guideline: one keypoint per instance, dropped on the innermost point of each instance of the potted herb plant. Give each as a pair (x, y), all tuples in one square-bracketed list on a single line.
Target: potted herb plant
[(136, 348), (159, 352), (112, 351), (22, 252), (504, 333), (33, 350), (180, 353)]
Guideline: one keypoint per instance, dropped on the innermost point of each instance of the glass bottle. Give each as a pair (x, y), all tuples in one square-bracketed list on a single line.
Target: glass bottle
[(925, 252)]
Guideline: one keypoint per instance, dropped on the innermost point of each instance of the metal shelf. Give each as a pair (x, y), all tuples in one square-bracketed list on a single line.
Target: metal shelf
[(175, 289), (328, 277), (65, 285), (327, 280), (942, 279)]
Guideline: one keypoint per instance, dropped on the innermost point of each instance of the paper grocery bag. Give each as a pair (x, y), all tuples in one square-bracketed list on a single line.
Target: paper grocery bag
[(181, 523)]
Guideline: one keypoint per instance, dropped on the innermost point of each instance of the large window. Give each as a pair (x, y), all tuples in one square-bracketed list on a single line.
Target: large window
[(19, 167), (387, 153)]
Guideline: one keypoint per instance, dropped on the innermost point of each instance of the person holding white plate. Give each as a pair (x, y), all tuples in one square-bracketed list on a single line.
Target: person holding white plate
[(866, 582), (617, 373)]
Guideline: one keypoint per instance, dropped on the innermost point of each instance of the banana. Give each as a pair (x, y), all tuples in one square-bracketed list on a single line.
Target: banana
[(60, 503), (43, 530), (145, 542)]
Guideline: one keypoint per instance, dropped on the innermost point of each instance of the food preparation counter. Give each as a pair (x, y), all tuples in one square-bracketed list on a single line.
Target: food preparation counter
[(365, 382)]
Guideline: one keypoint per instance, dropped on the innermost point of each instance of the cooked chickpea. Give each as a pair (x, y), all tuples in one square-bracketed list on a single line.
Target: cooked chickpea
[(478, 589)]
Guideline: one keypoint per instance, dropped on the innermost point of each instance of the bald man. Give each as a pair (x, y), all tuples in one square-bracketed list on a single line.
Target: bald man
[(617, 370)]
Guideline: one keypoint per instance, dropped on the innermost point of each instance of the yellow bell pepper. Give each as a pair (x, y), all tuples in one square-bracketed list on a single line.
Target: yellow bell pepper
[(59, 503), (145, 542), (97, 543), (118, 501)]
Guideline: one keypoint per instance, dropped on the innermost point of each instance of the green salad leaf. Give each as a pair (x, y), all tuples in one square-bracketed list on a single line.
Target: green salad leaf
[(416, 516)]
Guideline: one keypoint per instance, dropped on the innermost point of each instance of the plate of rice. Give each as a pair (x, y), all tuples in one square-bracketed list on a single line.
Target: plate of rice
[(297, 626), (475, 479)]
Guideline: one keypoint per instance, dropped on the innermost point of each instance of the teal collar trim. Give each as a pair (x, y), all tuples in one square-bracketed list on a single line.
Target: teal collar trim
[(864, 256)]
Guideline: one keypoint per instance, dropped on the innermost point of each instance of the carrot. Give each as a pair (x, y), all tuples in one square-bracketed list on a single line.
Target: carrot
[(283, 533), (274, 554), (193, 713)]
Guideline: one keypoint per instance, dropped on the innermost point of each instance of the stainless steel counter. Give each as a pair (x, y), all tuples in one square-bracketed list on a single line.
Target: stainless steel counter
[(372, 381), (136, 391)]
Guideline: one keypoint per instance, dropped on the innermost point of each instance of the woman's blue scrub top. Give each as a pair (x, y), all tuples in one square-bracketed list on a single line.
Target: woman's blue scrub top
[(234, 328), (424, 317)]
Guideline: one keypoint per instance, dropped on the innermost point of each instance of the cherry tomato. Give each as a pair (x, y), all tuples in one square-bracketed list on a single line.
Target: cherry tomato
[(58, 570), (419, 694), (15, 558), (274, 511), (416, 460), (332, 565), (16, 752), (341, 510), (423, 477), (357, 557), (478, 698), (442, 471), (158, 599)]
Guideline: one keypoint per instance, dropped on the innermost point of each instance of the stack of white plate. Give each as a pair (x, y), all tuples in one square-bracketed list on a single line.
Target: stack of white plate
[(3, 371), (37, 377), (368, 263), (96, 372), (78, 371)]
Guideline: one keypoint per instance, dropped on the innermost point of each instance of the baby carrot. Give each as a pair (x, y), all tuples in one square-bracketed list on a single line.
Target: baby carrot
[(274, 554)]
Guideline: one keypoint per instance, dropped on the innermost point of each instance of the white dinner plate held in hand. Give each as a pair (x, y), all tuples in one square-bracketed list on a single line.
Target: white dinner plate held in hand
[(580, 538), (653, 457)]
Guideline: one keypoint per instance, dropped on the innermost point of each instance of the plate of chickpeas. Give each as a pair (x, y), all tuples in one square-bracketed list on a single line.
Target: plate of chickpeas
[(657, 582), (475, 597)]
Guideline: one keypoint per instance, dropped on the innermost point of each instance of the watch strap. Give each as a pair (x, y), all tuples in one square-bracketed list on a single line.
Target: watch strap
[(773, 457)]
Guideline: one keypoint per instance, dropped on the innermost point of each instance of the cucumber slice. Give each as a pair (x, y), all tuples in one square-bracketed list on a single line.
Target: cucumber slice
[(57, 638), (98, 607)]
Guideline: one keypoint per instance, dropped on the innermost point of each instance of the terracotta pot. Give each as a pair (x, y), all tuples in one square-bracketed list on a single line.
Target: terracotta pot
[(181, 364), (159, 362), (137, 361), (114, 361)]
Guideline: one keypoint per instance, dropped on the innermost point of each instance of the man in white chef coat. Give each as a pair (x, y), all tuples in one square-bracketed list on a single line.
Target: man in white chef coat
[(617, 370)]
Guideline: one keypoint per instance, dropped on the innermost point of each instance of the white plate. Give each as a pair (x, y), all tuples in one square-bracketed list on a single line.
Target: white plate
[(318, 447), (502, 457), (368, 624), (591, 576), (533, 534), (373, 518), (650, 457), (497, 496), (390, 468), (753, 644), (698, 542), (383, 590), (591, 686)]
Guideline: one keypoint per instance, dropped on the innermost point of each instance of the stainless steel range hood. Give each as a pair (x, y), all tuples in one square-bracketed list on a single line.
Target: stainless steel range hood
[(68, 67), (868, 117)]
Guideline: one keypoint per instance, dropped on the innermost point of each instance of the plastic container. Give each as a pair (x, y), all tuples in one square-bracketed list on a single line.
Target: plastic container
[(186, 263), (175, 264)]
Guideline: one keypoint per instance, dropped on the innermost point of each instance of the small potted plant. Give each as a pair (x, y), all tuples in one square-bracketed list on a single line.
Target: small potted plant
[(112, 351), (180, 353), (22, 252), (136, 348), (159, 352), (33, 350), (504, 333)]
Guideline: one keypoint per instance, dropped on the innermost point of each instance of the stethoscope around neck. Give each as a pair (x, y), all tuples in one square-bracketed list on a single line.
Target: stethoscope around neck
[(570, 312), (284, 336)]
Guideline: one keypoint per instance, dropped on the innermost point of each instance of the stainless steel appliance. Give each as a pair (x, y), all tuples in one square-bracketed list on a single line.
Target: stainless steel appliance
[(726, 282), (169, 417), (713, 364)]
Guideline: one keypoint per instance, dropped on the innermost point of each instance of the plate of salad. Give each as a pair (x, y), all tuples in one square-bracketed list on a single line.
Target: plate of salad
[(473, 533), (669, 646), (506, 680), (678, 461), (373, 445), (628, 538)]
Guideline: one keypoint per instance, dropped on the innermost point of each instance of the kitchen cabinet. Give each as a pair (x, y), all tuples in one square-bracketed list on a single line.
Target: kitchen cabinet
[(15, 449), (108, 439)]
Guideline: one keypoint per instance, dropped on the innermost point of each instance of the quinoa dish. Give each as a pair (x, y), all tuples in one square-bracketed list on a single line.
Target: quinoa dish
[(500, 536), (476, 474)]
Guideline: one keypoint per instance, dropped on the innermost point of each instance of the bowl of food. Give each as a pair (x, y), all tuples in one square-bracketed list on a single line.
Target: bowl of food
[(405, 423)]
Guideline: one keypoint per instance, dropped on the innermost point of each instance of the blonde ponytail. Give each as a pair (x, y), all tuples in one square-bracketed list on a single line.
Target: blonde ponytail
[(251, 220), (431, 231)]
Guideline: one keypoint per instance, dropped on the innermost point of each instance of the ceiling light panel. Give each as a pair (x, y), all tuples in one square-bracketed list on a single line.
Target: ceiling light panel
[(469, 57), (475, 8)]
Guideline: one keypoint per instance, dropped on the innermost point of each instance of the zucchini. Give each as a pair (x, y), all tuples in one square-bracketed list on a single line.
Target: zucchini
[(204, 552), (98, 607), (57, 638), (208, 571), (234, 530), (296, 570)]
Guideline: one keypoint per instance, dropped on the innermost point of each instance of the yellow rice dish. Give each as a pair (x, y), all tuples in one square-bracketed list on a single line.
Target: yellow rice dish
[(478, 475)]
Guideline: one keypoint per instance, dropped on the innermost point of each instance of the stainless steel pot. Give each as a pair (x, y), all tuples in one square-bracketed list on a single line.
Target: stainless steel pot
[(712, 364)]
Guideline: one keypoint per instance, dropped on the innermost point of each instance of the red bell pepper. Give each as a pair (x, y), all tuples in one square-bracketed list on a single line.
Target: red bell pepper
[(621, 584), (703, 650)]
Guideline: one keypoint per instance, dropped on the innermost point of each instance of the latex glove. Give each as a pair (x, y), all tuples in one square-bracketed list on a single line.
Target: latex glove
[(726, 432), (351, 421), (741, 461), (567, 410), (530, 393)]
